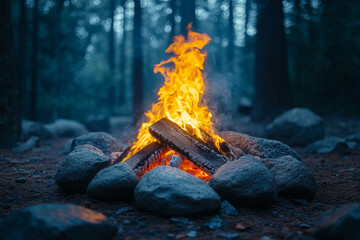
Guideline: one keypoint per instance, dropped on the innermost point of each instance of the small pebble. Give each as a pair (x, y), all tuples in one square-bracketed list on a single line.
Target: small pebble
[(21, 180), (120, 230), (304, 225), (192, 234), (123, 210), (240, 227), (214, 223), (229, 235)]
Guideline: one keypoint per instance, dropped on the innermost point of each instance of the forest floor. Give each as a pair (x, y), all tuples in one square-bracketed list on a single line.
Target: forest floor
[(337, 177)]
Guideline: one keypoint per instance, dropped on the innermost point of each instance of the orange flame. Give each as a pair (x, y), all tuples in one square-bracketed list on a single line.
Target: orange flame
[(179, 97)]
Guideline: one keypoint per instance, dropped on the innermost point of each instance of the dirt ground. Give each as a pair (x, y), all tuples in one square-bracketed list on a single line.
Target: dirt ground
[(337, 177)]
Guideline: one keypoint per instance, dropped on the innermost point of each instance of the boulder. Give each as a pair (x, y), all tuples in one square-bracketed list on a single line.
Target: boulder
[(56, 221), (170, 191), (30, 128), (338, 223), (28, 145), (259, 147), (64, 128), (101, 140), (115, 183), (245, 182), (97, 123), (292, 177), (78, 169), (329, 145), (297, 126), (227, 209), (354, 141)]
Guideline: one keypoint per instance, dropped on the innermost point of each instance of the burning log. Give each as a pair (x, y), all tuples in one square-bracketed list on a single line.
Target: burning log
[(193, 149), (224, 146), (147, 158)]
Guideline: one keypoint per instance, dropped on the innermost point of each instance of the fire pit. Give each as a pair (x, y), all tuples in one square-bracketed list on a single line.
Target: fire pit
[(179, 136)]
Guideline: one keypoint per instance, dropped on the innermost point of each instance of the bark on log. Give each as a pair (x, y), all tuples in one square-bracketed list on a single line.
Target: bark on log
[(195, 150), (148, 157)]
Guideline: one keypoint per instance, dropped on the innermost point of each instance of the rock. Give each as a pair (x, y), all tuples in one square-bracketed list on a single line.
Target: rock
[(297, 126), (57, 221), (123, 210), (292, 177), (192, 234), (78, 169), (214, 223), (229, 235), (34, 160), (114, 183), (259, 147), (63, 128), (21, 180), (101, 140), (227, 209), (28, 145), (338, 223), (90, 147), (245, 182), (329, 145), (353, 141), (97, 123), (30, 128), (171, 191)]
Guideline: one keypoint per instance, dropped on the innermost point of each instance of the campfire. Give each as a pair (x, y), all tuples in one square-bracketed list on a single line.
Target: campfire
[(179, 131)]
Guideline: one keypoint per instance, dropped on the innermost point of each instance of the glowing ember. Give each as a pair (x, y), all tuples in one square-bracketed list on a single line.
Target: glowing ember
[(180, 96)]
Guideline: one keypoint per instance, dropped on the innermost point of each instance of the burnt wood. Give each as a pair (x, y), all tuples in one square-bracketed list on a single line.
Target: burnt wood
[(123, 155), (146, 157), (193, 149)]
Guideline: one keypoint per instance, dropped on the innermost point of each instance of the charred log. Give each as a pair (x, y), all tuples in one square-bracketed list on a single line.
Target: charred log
[(193, 149), (145, 159)]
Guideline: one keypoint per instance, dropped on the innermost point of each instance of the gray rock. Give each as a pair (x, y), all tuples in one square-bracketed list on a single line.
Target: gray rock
[(338, 223), (28, 145), (292, 177), (171, 191), (297, 126), (63, 128), (214, 223), (113, 183), (78, 169), (227, 209), (329, 145), (21, 180), (229, 235), (90, 147), (353, 141), (101, 140), (97, 123), (30, 128), (259, 147), (245, 182), (57, 221)]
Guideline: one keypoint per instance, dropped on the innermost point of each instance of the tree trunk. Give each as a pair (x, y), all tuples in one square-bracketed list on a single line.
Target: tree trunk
[(272, 86), (10, 84), (137, 65), (22, 41), (187, 12), (111, 58), (123, 60), (33, 91)]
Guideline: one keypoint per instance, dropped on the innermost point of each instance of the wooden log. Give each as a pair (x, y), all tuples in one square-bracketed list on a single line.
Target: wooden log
[(224, 146), (122, 155), (146, 158), (193, 149)]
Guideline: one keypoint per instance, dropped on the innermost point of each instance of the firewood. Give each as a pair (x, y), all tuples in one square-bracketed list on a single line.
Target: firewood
[(193, 149), (122, 155), (146, 158)]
